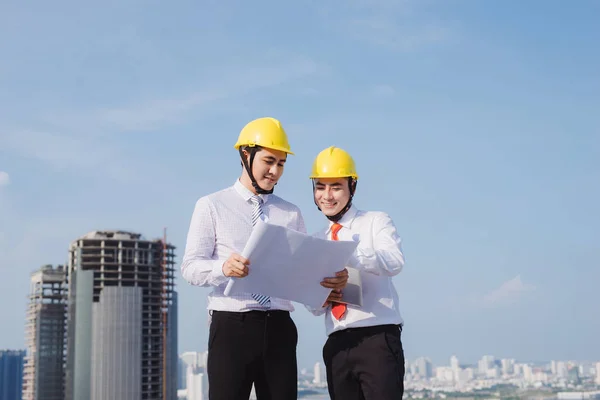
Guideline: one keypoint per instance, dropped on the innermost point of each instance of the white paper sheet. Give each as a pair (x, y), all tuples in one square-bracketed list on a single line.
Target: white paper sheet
[(290, 265), (352, 293)]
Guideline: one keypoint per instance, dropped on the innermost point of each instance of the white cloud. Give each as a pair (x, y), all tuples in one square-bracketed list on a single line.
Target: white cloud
[(67, 151), (381, 31), (395, 25), (78, 140), (154, 113), (508, 293), (4, 178)]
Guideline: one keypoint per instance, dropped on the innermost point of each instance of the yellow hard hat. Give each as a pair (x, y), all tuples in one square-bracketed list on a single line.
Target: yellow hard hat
[(265, 132), (333, 162)]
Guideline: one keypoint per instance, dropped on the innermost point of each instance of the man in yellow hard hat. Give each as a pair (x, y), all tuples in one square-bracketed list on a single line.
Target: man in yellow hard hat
[(252, 338), (363, 355)]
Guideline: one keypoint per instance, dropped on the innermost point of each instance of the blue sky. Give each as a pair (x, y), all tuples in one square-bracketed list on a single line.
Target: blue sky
[(474, 124)]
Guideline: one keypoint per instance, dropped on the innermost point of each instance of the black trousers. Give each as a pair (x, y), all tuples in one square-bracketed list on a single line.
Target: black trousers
[(365, 363), (252, 347)]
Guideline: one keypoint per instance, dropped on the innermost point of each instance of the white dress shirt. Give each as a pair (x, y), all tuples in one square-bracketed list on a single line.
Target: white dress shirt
[(221, 225), (378, 257)]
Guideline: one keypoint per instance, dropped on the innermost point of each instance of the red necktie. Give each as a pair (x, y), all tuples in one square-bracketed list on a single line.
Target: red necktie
[(337, 309)]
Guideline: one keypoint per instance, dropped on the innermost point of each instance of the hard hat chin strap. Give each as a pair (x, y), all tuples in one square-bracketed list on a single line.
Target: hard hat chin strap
[(252, 151), (335, 218)]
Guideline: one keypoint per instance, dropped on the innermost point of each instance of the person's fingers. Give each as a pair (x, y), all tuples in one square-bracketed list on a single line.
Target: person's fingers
[(240, 269), (328, 285), (334, 296), (245, 270), (335, 281), (241, 259), (333, 285), (238, 274), (342, 273), (235, 269)]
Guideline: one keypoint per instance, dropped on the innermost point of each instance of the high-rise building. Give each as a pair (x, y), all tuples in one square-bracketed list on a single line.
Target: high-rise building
[(444, 374), (11, 374), (507, 366), (528, 373), (455, 367), (454, 363), (194, 363), (573, 373), (181, 374), (196, 382), (518, 369), (44, 371), (318, 375), (195, 359), (597, 373), (424, 367), (562, 370), (486, 363), (122, 318)]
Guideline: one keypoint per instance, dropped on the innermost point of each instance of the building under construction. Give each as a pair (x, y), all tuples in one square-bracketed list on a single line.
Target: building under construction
[(43, 372), (122, 318)]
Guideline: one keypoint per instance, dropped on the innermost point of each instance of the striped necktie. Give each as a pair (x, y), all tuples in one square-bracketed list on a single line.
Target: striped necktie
[(337, 309), (257, 214)]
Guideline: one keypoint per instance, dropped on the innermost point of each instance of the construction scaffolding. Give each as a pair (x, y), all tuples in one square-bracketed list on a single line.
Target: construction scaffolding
[(166, 301), (43, 372), (123, 272)]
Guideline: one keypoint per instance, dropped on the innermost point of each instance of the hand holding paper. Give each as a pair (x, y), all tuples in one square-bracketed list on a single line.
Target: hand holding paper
[(290, 265), (337, 282), (236, 266), (334, 296)]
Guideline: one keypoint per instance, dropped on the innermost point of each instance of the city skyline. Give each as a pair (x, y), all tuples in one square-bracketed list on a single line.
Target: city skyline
[(437, 360), (104, 325), (555, 376), (474, 125)]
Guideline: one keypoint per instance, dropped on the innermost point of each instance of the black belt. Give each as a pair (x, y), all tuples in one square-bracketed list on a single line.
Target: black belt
[(253, 314), (368, 330)]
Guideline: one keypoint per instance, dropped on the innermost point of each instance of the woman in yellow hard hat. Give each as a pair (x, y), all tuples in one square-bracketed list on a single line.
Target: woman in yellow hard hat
[(239, 356), (363, 354)]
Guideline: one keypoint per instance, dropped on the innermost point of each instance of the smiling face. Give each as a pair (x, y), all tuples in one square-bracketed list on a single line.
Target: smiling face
[(267, 168), (332, 194)]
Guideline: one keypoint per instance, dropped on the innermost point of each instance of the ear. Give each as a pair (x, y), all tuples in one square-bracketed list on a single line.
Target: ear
[(246, 154), (352, 186)]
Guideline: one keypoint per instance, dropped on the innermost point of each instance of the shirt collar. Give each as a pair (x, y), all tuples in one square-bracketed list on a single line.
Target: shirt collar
[(246, 193), (346, 220)]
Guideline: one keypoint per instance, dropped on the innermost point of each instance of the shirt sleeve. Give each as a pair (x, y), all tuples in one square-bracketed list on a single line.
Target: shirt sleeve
[(301, 226), (386, 256), (317, 311), (198, 267)]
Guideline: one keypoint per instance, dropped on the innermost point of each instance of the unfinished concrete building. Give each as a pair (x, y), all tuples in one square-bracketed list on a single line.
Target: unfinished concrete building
[(43, 372), (122, 318)]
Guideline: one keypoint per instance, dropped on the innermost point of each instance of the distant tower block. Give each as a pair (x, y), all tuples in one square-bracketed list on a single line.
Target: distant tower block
[(43, 373), (122, 318), (318, 374)]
